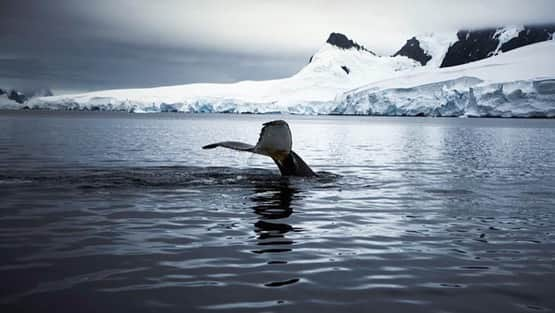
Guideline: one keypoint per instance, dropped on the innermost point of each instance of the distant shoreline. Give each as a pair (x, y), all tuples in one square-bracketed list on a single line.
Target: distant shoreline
[(115, 112)]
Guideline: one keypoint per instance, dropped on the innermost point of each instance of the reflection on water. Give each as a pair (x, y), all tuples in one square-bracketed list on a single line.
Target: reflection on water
[(116, 212), (273, 205)]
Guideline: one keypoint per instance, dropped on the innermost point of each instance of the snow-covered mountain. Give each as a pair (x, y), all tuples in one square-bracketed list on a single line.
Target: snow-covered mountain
[(467, 46), (339, 65), (344, 77), (518, 83), (10, 99), (477, 45), (428, 49)]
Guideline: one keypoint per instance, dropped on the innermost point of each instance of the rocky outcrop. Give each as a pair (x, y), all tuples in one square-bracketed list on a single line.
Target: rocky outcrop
[(341, 41), (412, 50), (20, 97), (474, 45), (530, 35), (17, 96)]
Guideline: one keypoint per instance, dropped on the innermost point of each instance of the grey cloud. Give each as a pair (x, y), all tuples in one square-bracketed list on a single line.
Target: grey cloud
[(122, 66), (87, 45), (287, 26)]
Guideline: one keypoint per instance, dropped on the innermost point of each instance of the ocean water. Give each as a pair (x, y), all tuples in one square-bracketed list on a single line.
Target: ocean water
[(116, 212)]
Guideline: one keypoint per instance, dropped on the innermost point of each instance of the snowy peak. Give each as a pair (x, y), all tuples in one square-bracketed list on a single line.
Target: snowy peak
[(444, 50), (343, 42), (528, 35), (343, 63), (474, 45), (427, 49), (413, 50)]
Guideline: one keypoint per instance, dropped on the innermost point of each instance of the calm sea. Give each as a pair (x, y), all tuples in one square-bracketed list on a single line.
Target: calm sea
[(116, 212)]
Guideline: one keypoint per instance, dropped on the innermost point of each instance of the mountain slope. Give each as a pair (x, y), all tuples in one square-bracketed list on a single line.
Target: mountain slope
[(444, 50), (480, 44), (428, 49), (339, 65)]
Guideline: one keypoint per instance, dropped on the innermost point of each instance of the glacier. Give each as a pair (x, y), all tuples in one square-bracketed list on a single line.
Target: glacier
[(517, 83)]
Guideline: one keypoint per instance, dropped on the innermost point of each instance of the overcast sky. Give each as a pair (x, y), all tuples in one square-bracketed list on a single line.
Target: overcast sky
[(75, 45)]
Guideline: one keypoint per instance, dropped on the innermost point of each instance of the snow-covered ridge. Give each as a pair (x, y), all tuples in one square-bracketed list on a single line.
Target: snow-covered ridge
[(506, 34), (12, 99), (341, 41), (332, 70), (428, 49), (475, 45), (518, 83), (450, 49)]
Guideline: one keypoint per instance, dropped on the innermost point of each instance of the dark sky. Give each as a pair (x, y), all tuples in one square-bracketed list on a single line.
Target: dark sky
[(75, 45)]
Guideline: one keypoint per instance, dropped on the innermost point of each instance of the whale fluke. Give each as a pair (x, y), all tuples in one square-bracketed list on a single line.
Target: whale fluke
[(235, 145), (293, 165), (274, 141)]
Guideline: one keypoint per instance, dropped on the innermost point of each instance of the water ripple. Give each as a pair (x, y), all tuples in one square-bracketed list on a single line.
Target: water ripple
[(433, 216)]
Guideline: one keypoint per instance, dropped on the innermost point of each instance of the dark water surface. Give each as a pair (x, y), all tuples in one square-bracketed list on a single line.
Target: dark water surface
[(114, 212)]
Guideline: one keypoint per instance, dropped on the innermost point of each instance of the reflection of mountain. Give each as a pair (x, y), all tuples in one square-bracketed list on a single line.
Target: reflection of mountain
[(273, 205)]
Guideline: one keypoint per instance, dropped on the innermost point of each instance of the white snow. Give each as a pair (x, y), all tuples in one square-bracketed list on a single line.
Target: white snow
[(505, 34), (308, 90), (6, 103), (436, 46), (520, 82)]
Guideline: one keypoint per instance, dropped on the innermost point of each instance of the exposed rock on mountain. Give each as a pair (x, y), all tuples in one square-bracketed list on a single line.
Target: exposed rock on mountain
[(474, 45), (17, 96), (341, 41), (443, 50), (21, 97), (413, 50)]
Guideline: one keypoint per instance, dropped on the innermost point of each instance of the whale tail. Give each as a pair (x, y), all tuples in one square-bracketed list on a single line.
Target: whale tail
[(293, 165), (274, 141), (234, 145)]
